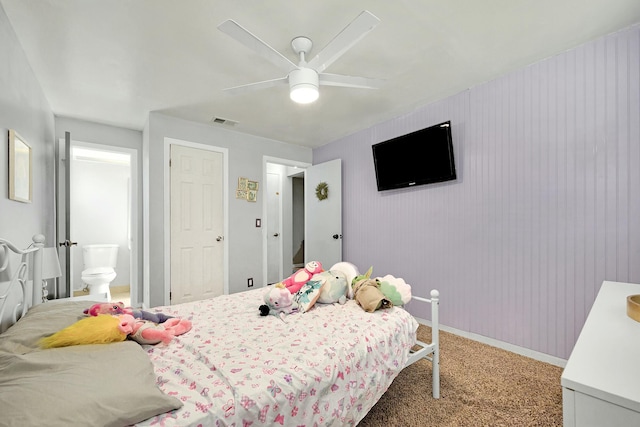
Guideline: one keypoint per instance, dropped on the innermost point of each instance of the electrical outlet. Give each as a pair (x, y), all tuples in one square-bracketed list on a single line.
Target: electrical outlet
[(250, 282)]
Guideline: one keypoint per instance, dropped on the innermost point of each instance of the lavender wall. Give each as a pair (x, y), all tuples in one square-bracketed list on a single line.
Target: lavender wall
[(546, 205)]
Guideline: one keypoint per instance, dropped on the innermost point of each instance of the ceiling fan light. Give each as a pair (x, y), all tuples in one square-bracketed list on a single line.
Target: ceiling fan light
[(304, 93), (303, 84)]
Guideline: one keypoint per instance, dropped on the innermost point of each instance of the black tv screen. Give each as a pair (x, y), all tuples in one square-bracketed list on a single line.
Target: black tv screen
[(421, 157)]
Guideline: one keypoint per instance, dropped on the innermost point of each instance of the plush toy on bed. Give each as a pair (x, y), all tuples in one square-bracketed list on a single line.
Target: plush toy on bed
[(147, 332), (294, 282), (366, 292), (334, 287), (117, 308), (395, 289), (99, 329), (105, 328), (278, 301)]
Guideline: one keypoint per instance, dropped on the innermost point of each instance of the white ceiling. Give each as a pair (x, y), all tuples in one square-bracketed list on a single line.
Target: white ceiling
[(115, 61)]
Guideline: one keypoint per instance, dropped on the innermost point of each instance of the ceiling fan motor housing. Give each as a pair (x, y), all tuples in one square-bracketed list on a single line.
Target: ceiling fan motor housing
[(303, 84)]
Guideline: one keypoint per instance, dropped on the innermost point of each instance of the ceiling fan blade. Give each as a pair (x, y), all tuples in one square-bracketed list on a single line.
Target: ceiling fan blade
[(349, 36), (349, 81), (236, 90), (235, 30)]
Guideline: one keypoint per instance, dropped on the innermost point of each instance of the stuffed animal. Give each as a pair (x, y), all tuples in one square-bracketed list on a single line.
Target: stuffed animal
[(334, 287), (278, 301), (117, 308), (350, 271), (99, 329), (395, 289), (147, 332), (366, 292), (294, 282)]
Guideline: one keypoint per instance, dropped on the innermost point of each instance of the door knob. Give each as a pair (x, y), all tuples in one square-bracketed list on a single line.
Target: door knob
[(337, 236), (68, 243), (219, 239)]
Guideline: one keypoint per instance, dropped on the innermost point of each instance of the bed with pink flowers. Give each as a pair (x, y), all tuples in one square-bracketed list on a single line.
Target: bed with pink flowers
[(325, 366)]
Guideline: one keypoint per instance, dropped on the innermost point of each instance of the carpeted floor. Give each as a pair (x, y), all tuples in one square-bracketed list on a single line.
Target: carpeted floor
[(480, 386)]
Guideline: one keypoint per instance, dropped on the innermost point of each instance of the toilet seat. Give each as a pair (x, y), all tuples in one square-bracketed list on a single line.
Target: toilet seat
[(97, 271)]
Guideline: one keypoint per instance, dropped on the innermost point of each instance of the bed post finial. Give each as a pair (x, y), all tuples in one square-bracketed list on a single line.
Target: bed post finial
[(38, 242)]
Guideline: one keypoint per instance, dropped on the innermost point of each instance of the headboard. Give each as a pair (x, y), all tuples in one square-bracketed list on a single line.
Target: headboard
[(21, 285)]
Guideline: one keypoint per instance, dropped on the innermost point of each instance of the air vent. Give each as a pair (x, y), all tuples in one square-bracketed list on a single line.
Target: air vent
[(221, 121)]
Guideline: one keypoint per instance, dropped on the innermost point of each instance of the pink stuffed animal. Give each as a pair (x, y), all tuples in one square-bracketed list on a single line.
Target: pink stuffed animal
[(146, 332), (117, 308), (294, 282)]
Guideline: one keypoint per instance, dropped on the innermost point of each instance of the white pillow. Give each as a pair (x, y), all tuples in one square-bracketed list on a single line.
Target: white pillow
[(350, 271)]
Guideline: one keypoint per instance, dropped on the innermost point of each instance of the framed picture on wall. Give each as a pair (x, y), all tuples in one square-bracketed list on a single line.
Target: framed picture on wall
[(20, 169), (242, 183)]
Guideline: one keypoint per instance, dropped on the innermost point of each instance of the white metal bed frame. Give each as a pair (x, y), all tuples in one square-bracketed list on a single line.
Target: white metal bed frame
[(21, 277), (428, 351)]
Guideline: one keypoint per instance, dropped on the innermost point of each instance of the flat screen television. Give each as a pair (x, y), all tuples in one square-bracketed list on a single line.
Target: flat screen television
[(421, 157)]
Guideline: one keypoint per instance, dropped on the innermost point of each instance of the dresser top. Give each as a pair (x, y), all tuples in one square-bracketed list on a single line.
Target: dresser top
[(605, 362)]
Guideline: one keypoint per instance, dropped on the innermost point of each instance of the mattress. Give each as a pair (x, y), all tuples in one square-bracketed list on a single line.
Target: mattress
[(326, 366)]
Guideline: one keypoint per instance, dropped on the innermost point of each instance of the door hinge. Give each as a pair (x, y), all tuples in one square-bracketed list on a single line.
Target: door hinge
[(169, 162)]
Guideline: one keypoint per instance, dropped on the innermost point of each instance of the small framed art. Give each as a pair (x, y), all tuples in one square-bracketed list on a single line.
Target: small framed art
[(242, 183), (20, 169)]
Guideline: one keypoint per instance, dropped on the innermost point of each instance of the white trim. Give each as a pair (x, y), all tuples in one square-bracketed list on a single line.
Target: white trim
[(167, 209), (542, 357)]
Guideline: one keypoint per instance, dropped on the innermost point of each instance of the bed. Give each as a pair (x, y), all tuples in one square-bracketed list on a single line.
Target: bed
[(326, 366)]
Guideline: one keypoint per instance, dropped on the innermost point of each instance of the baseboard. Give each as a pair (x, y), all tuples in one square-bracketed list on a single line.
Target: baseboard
[(536, 355), (123, 289)]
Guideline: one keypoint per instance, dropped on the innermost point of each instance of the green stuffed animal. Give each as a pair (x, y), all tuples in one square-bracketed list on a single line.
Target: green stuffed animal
[(366, 292), (334, 287)]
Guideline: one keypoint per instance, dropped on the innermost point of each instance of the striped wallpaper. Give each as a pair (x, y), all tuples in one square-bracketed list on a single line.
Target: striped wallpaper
[(546, 205)]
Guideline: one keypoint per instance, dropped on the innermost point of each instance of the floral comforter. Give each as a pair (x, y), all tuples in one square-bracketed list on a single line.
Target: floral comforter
[(327, 366)]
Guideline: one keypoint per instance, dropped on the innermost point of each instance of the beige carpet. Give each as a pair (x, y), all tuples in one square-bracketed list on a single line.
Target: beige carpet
[(480, 386)]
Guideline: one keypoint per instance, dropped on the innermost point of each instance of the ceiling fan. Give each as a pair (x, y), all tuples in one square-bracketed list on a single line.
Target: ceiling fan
[(305, 77)]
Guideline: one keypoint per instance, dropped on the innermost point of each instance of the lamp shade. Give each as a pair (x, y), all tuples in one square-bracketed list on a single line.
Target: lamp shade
[(50, 264)]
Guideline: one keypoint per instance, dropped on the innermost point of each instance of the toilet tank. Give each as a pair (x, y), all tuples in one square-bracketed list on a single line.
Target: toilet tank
[(99, 256)]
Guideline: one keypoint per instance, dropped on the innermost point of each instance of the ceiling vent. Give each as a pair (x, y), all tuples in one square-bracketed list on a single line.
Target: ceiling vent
[(221, 121)]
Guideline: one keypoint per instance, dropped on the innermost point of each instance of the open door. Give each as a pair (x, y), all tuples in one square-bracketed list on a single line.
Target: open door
[(63, 202), (323, 213)]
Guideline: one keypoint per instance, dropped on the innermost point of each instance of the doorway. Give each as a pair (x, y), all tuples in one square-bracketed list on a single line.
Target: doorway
[(97, 204), (283, 215)]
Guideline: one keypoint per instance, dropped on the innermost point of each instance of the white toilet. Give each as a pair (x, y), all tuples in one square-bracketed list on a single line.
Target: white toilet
[(99, 268)]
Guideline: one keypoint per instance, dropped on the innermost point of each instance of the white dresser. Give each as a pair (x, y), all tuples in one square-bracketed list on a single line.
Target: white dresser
[(601, 381)]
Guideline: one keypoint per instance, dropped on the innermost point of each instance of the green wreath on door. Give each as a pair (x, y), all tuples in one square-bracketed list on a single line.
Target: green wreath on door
[(322, 191)]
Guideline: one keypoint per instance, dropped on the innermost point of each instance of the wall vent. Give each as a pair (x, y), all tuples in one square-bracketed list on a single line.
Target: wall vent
[(221, 121)]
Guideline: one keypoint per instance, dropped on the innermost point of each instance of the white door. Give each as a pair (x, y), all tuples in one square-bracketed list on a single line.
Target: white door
[(197, 224), (274, 227), (63, 226), (323, 216)]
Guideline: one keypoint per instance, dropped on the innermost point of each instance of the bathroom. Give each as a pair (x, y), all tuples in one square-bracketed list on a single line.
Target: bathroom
[(101, 212)]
